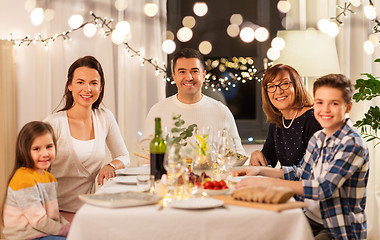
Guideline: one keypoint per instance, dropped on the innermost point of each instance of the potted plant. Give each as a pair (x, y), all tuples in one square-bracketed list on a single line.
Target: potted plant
[(368, 89)]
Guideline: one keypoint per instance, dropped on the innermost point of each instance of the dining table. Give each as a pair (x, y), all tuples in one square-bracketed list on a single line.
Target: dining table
[(154, 221)]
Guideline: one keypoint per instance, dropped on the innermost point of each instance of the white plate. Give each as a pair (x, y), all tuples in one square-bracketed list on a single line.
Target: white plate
[(217, 192), (122, 199), (130, 180), (133, 171), (196, 203)]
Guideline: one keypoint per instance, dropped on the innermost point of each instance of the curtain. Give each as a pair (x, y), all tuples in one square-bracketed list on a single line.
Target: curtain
[(138, 86), (41, 72), (8, 113), (353, 62)]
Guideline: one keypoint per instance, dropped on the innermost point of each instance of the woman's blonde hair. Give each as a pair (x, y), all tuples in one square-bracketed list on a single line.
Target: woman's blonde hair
[(302, 97)]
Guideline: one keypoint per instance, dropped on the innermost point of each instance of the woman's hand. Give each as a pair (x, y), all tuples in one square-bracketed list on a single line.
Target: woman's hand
[(106, 172), (252, 182), (257, 159), (251, 171)]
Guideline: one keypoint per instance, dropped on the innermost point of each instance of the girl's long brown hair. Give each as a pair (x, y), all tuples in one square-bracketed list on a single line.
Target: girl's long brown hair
[(24, 142), (302, 96)]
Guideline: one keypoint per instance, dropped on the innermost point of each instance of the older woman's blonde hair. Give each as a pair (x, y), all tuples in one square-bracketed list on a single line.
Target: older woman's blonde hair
[(302, 97)]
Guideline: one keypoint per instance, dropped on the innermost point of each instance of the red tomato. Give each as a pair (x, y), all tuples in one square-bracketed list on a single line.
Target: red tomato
[(208, 185), (224, 187), (216, 184), (222, 183)]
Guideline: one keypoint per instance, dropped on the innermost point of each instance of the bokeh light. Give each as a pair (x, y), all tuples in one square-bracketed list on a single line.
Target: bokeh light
[(326, 26), (89, 30), (200, 9), (184, 34), (261, 34), (75, 21), (169, 35), (121, 5), (37, 16), (278, 43), (117, 37), (273, 54), (233, 30), (205, 47), (168, 46), (49, 14), (374, 39), (283, 6), (29, 5), (370, 12), (368, 47), (356, 3), (151, 9), (123, 27), (188, 21), (236, 19), (247, 34)]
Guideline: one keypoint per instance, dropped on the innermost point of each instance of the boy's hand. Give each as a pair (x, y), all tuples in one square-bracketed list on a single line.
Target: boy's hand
[(250, 171)]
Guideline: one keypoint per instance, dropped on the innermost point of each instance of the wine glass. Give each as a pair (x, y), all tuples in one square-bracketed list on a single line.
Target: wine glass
[(223, 149), (173, 163)]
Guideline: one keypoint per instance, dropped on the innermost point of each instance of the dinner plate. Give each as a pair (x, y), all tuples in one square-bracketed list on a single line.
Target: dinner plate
[(133, 171), (196, 203), (121, 199), (130, 180)]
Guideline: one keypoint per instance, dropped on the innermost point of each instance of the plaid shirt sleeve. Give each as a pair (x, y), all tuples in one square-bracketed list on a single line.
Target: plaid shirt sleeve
[(345, 161)]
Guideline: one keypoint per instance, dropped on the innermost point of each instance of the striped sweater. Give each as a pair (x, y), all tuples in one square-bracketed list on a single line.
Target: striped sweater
[(31, 207)]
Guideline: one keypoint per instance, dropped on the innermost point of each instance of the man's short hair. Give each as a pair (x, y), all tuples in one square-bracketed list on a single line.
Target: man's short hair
[(187, 53), (338, 81)]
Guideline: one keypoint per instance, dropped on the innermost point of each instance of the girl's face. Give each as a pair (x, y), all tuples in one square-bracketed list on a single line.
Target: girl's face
[(85, 86), (281, 96), (42, 152)]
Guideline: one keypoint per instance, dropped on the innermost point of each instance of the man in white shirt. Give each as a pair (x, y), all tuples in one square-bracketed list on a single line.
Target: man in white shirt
[(189, 74)]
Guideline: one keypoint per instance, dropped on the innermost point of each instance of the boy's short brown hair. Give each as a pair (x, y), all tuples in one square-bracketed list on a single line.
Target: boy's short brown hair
[(338, 81)]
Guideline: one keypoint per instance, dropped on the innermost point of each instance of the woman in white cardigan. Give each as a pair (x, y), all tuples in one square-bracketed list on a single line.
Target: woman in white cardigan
[(82, 129)]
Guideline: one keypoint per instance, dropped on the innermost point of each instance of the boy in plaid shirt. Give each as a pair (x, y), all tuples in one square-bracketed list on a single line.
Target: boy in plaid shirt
[(333, 175)]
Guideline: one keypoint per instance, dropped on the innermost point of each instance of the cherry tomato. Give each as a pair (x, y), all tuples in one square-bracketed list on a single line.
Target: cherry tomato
[(208, 185), (222, 183)]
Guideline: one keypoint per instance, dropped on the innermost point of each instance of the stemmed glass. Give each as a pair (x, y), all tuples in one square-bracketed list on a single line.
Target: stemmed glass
[(223, 149), (174, 164)]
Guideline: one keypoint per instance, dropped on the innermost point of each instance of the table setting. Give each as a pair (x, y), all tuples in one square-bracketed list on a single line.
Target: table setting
[(194, 199)]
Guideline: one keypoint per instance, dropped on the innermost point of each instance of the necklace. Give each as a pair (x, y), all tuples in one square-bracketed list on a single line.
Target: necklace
[(283, 122)]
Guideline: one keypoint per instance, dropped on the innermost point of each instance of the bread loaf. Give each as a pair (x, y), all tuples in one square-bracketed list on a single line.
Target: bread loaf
[(263, 194)]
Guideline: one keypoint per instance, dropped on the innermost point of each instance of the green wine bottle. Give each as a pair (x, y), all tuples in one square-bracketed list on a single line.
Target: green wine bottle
[(157, 152)]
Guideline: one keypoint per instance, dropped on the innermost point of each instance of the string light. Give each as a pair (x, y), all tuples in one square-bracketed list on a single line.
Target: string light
[(223, 73), (106, 27), (344, 10)]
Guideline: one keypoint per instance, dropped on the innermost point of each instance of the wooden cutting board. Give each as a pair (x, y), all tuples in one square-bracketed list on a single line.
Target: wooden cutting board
[(272, 207)]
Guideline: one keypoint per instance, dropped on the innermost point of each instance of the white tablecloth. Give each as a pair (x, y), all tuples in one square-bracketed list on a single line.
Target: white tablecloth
[(148, 222)]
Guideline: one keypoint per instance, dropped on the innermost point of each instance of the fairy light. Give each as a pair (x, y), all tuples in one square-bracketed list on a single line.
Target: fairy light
[(227, 73), (106, 29)]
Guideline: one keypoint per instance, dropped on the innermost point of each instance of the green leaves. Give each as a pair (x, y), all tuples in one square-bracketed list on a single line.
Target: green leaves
[(181, 133), (367, 90)]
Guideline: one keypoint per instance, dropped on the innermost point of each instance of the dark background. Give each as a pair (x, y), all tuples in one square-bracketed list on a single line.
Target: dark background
[(244, 100)]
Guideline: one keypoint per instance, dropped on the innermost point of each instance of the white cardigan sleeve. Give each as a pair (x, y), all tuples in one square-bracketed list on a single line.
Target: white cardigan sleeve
[(114, 140)]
